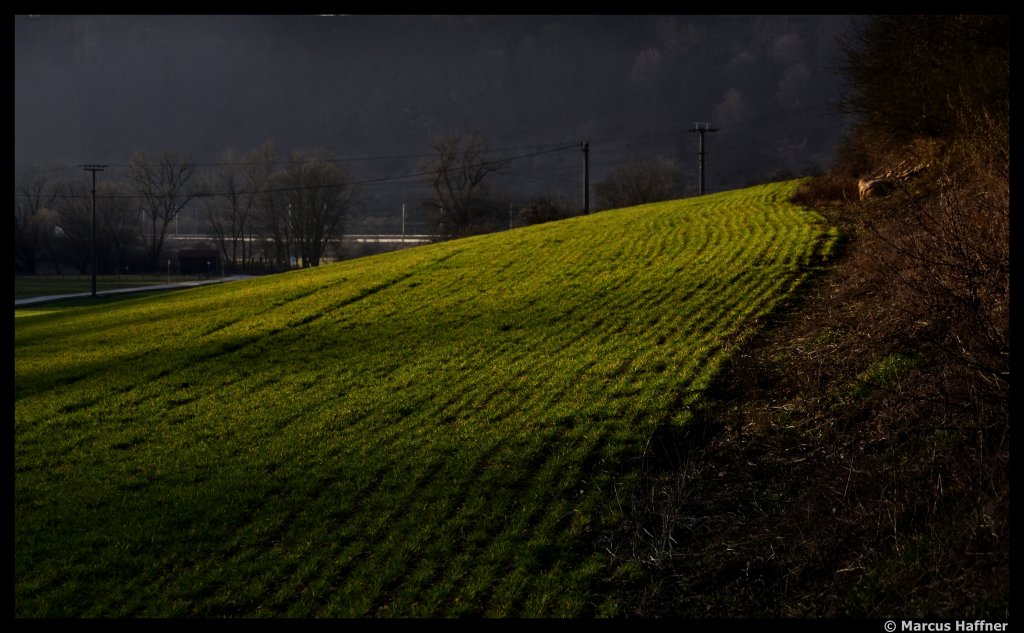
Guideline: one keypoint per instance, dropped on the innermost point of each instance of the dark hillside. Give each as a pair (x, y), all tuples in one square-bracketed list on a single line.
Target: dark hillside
[(854, 460)]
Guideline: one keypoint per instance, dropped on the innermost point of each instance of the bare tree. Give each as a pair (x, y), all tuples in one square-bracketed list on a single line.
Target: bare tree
[(32, 232), (639, 182), (318, 196), (118, 226), (73, 210), (270, 220), (909, 75), (161, 183), (117, 223), (457, 176), (232, 191), (542, 209)]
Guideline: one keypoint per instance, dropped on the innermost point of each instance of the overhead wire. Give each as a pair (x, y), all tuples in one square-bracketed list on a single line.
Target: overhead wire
[(209, 194), (502, 161)]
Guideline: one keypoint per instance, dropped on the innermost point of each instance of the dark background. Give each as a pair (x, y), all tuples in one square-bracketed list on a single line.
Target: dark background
[(373, 90)]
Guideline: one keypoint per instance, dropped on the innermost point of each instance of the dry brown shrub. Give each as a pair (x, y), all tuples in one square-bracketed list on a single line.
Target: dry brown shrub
[(853, 459)]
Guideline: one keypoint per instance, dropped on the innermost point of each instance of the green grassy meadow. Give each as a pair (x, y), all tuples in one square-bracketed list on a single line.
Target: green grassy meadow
[(44, 285), (438, 431)]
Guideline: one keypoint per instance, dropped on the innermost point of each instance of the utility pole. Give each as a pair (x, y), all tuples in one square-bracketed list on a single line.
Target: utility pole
[(403, 221), (700, 129), (92, 249), (586, 177)]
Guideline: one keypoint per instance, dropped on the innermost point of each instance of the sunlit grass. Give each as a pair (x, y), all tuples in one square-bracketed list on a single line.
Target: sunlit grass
[(430, 432)]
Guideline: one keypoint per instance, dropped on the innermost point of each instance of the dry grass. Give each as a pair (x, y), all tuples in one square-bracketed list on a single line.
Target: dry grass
[(853, 460)]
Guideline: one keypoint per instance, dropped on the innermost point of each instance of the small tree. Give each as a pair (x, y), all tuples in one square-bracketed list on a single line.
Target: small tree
[(230, 198), (117, 223), (118, 226), (33, 196), (908, 75), (301, 209), (161, 183), (457, 177), (638, 182), (544, 209), (73, 206), (317, 197), (270, 220)]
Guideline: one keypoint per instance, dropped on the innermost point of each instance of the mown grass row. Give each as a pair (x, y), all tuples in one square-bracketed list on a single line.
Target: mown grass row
[(439, 431)]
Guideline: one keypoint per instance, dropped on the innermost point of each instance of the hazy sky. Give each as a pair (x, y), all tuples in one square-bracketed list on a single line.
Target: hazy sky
[(375, 89)]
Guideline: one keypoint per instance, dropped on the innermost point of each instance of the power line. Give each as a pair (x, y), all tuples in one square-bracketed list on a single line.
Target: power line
[(208, 194), (741, 123), (343, 159), (670, 133), (759, 120), (500, 161)]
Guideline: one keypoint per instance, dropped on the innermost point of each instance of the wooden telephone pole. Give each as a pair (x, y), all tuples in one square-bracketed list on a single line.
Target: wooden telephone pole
[(700, 129), (92, 250)]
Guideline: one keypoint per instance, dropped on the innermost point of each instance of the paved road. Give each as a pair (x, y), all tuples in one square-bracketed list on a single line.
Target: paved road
[(18, 303)]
